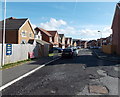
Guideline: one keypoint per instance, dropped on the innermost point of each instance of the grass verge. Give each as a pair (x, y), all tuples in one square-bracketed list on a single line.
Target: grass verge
[(10, 65), (51, 54)]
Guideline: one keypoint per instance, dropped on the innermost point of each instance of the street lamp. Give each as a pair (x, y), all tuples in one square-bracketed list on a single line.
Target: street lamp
[(101, 37), (81, 42), (3, 36)]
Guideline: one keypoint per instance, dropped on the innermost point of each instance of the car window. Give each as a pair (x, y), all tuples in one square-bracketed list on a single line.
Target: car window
[(74, 49), (67, 50)]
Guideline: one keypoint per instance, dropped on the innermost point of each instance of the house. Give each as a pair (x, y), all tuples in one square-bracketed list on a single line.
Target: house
[(44, 35), (38, 35), (98, 42), (43, 45), (78, 42), (74, 43), (116, 30), (17, 31), (55, 38), (62, 41), (71, 41), (92, 43), (67, 42), (83, 44), (109, 40)]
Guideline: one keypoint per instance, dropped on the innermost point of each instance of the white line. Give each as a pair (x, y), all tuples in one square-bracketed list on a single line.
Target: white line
[(25, 75)]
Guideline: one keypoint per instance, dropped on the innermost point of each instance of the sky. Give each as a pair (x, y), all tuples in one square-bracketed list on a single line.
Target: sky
[(79, 20)]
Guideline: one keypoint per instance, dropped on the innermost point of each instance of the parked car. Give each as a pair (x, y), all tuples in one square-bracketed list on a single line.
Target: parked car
[(78, 47), (59, 50), (94, 47), (68, 52), (75, 51)]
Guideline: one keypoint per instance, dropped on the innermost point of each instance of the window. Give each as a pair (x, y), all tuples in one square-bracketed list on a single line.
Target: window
[(50, 39), (23, 42), (30, 35), (23, 34)]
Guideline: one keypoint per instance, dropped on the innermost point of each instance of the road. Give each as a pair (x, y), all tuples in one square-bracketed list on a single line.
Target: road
[(70, 76)]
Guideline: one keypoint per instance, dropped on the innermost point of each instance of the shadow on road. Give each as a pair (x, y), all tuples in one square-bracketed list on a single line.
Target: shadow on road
[(88, 60)]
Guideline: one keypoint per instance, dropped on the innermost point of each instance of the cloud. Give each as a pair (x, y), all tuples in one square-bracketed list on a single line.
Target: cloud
[(94, 34), (53, 24), (34, 26), (107, 31), (68, 31), (87, 32)]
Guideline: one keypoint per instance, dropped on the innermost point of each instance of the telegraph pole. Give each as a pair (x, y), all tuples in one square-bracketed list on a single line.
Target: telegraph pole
[(3, 36), (101, 37)]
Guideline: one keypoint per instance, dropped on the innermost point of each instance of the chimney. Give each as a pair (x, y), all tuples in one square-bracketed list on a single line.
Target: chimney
[(11, 18)]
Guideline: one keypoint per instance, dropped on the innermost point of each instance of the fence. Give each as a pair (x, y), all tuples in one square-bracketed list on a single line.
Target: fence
[(107, 49), (19, 52)]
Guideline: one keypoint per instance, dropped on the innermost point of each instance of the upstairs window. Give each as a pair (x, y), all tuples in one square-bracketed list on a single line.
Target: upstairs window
[(23, 34), (50, 39), (30, 35)]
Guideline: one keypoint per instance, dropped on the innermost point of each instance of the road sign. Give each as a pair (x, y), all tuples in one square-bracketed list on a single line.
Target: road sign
[(8, 49)]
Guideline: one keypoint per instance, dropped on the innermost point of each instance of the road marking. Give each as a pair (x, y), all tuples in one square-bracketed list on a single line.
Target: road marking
[(25, 75)]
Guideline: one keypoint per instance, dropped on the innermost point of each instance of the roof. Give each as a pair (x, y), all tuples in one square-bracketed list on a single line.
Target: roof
[(42, 42), (13, 23), (52, 33), (115, 14), (118, 4), (43, 30), (61, 35), (74, 42)]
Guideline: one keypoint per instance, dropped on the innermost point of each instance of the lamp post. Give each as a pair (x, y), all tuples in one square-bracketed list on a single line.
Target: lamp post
[(81, 42), (101, 37), (3, 36)]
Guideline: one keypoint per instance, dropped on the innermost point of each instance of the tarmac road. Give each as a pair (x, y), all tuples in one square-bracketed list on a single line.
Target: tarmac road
[(68, 76)]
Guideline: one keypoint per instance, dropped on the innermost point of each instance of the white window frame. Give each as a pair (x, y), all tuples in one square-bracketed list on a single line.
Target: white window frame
[(24, 34), (30, 34)]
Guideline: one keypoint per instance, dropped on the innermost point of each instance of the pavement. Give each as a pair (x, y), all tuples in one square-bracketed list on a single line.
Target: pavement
[(81, 75), (10, 74), (109, 57)]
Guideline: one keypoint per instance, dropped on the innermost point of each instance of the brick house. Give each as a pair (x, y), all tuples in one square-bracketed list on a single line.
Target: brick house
[(109, 40), (116, 30), (83, 44), (45, 36), (74, 43), (55, 38), (62, 41), (18, 31), (71, 41), (92, 43), (101, 41), (78, 42), (67, 42)]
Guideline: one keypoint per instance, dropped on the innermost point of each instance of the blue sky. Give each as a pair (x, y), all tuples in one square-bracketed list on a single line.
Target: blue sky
[(77, 20)]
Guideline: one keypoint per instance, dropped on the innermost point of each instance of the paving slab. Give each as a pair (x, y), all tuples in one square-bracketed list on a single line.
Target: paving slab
[(98, 89)]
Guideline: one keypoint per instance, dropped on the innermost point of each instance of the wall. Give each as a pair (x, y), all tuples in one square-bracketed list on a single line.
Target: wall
[(56, 40), (45, 37), (63, 42), (19, 52), (107, 49), (46, 50), (0, 34), (10, 36), (0, 52), (26, 28), (116, 30)]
